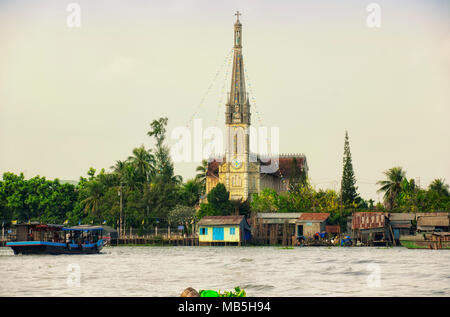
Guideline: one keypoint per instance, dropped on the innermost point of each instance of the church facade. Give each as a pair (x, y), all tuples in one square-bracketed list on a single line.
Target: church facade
[(244, 173)]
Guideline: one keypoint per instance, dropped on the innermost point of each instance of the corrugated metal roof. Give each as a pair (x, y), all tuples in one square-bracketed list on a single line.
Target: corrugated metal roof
[(314, 216), (432, 214), (333, 229), (221, 220), (402, 216), (284, 215), (368, 220), (401, 224), (433, 221)]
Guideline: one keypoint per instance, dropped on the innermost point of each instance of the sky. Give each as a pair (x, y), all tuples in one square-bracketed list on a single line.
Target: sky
[(72, 98)]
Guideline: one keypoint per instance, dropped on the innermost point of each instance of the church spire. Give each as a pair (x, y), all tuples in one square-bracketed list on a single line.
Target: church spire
[(238, 106)]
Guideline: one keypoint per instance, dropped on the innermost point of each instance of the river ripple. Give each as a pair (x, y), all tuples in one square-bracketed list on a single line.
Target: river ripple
[(261, 271)]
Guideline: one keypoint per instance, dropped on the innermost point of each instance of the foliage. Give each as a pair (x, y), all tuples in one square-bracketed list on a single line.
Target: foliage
[(218, 203), (35, 199), (151, 195), (237, 292), (348, 183), (392, 186), (297, 176), (181, 215), (201, 175)]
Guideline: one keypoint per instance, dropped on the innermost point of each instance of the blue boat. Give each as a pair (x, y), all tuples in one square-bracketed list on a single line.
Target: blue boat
[(36, 238)]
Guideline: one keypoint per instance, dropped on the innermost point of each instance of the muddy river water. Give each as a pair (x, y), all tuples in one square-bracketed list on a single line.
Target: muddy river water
[(261, 271)]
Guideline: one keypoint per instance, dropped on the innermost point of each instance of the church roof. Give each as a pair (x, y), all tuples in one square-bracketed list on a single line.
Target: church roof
[(284, 165), (213, 168)]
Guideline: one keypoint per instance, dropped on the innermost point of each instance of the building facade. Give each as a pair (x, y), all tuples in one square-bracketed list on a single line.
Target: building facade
[(223, 230), (244, 173)]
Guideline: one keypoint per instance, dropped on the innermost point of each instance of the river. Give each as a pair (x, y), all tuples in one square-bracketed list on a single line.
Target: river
[(261, 271)]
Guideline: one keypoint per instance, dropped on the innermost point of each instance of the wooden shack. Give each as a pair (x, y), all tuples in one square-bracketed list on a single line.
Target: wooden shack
[(309, 223), (429, 222), (274, 228), (371, 228), (402, 224), (223, 230)]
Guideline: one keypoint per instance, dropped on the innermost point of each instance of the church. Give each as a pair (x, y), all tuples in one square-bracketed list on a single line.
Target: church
[(244, 173)]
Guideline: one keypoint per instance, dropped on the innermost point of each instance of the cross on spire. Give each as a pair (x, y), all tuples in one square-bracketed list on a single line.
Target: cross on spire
[(237, 14)]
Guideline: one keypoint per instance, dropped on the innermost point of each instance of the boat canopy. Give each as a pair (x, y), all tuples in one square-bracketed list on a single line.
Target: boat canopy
[(83, 228), (39, 226)]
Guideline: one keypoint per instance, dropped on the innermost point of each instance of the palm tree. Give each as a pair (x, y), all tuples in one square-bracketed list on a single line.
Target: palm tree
[(392, 186), (118, 167), (94, 191), (143, 161), (201, 175), (438, 185)]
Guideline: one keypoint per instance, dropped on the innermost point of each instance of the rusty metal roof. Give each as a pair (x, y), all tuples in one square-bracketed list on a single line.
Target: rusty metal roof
[(333, 229), (314, 216), (221, 220), (368, 220)]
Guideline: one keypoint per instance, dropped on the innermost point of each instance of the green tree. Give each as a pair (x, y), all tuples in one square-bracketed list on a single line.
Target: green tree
[(392, 186), (218, 203), (297, 176), (163, 162), (182, 215), (439, 186), (348, 183), (94, 191), (190, 192), (201, 175), (143, 163)]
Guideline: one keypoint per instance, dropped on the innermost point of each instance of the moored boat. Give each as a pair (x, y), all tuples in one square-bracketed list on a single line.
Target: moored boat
[(37, 238), (434, 240)]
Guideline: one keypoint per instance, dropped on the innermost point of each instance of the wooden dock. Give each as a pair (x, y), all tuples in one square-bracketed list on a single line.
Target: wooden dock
[(156, 241)]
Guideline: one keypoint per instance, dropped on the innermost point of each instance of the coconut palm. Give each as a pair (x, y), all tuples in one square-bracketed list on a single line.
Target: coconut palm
[(392, 186), (143, 161), (201, 174), (94, 192), (439, 186), (118, 167)]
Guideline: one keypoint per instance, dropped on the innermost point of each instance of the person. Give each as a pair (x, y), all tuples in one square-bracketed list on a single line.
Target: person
[(190, 292)]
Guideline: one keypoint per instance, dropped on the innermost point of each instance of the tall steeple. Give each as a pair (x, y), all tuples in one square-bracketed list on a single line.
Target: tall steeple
[(238, 106), (236, 170)]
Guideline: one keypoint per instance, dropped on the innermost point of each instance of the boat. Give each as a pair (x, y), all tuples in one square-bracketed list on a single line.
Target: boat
[(37, 238), (436, 240)]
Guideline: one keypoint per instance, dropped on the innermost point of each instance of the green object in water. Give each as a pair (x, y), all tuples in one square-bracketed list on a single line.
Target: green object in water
[(238, 292), (208, 293)]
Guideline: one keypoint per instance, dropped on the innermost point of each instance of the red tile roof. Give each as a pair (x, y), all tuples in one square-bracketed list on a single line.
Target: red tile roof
[(213, 168), (284, 166), (314, 216)]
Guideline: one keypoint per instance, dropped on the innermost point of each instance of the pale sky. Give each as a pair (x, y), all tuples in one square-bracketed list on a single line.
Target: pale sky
[(72, 98)]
